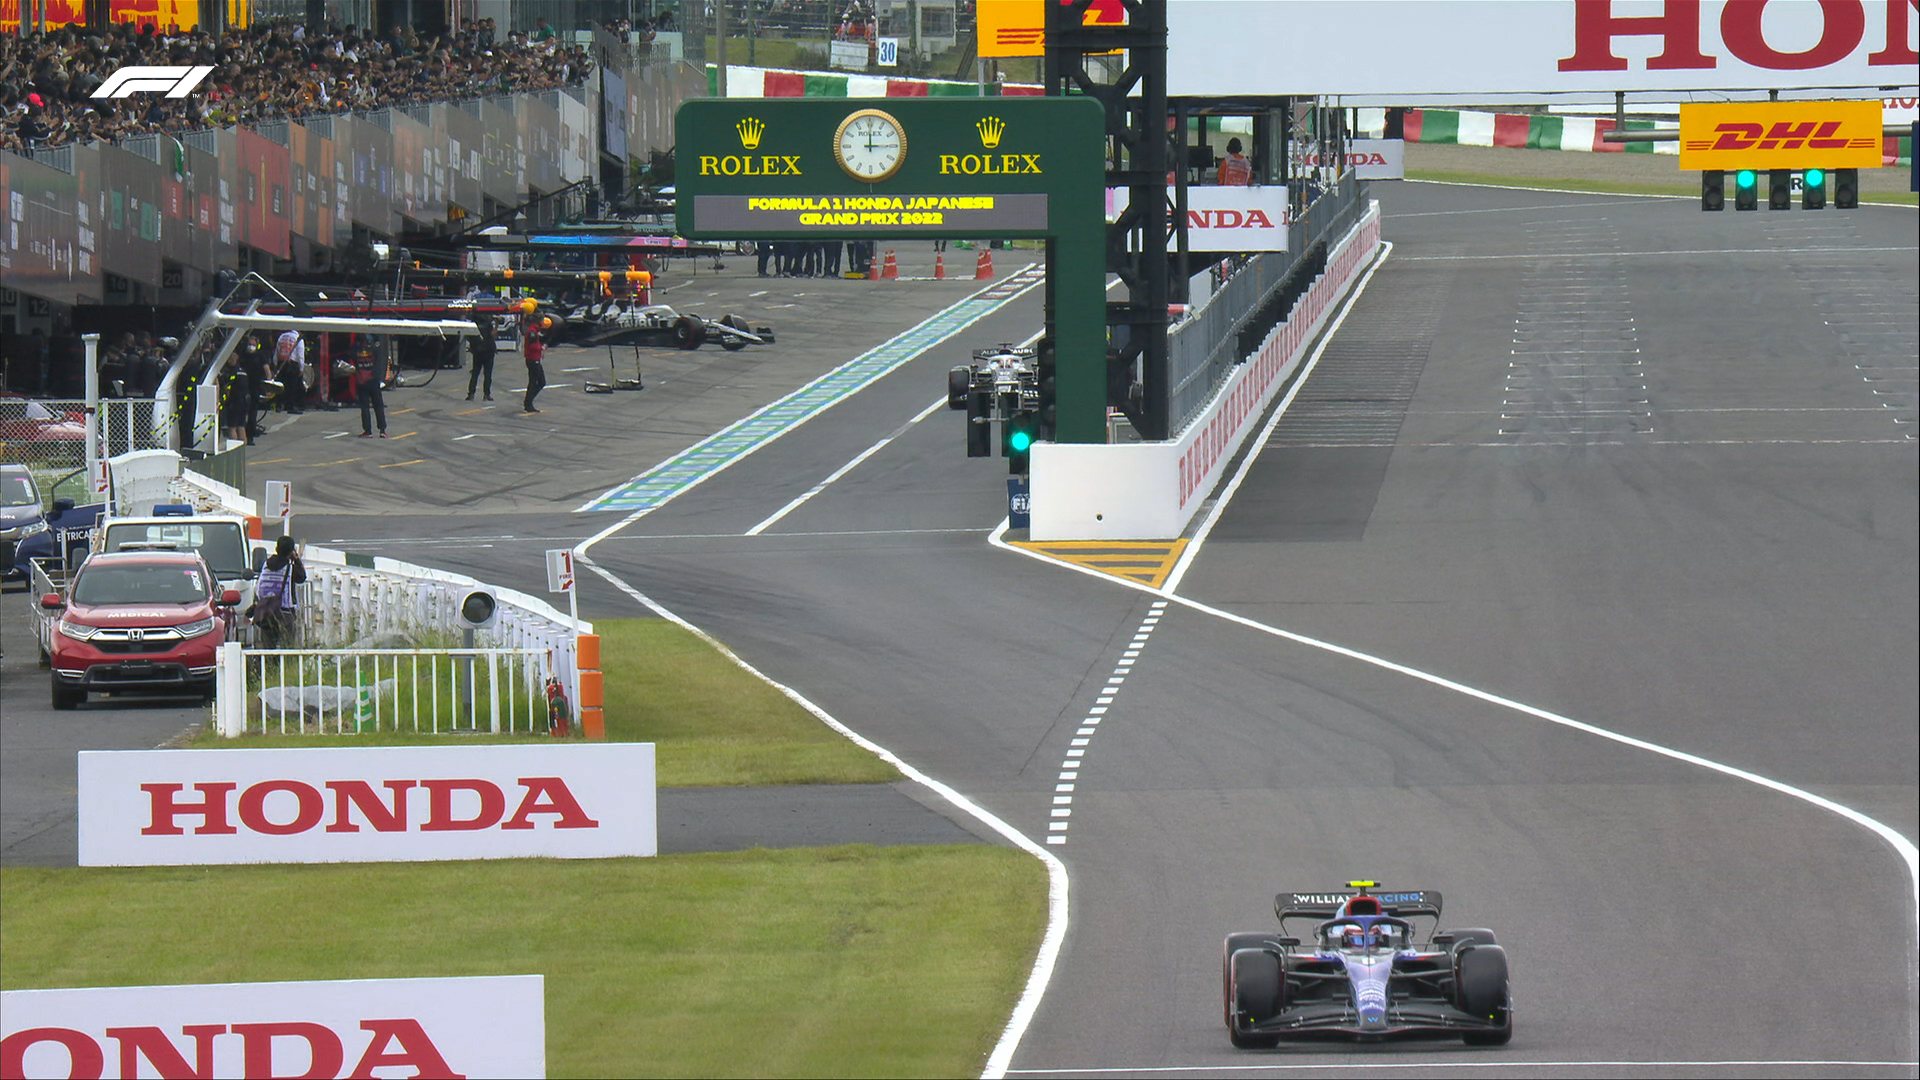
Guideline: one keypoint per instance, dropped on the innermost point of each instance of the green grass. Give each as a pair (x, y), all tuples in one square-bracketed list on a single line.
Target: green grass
[(1616, 187), (848, 961), (712, 721)]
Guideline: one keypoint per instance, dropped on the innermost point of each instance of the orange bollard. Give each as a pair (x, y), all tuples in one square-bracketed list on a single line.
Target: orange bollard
[(890, 269), (939, 266), (983, 267), (593, 722)]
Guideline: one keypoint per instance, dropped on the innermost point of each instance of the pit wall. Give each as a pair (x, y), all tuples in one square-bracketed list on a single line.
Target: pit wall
[(1150, 491)]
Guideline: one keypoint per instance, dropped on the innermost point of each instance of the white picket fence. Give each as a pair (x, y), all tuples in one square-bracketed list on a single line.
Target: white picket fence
[(342, 691)]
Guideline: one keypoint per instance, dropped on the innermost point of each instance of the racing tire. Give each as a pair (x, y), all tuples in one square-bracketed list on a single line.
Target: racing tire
[(1471, 936), (65, 698), (732, 344), (959, 385), (1480, 989), (1256, 989), (688, 332)]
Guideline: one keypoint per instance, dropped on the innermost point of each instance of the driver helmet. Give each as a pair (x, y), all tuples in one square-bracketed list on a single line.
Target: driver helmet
[(1361, 937)]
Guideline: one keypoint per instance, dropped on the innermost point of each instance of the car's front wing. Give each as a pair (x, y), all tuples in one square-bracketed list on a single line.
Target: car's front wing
[(1405, 1020)]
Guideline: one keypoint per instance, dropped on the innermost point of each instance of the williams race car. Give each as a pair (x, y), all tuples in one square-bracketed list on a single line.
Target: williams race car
[(620, 322), (1363, 975)]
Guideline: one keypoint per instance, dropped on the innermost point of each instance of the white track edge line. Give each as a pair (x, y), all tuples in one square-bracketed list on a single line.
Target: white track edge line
[(1056, 931), (1266, 432)]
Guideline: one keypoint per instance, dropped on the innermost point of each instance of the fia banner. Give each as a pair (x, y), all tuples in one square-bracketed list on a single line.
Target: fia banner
[(474, 1027), (366, 804)]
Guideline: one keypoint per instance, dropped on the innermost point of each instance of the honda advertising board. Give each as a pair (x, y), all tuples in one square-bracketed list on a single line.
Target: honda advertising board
[(1370, 159), (472, 1027), (371, 804), (1230, 218), (1398, 52)]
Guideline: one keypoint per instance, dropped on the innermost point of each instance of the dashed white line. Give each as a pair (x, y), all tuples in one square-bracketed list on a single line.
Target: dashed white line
[(1083, 736)]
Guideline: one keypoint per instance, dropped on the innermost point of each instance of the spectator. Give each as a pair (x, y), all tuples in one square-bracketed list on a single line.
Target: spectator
[(269, 70), (276, 595)]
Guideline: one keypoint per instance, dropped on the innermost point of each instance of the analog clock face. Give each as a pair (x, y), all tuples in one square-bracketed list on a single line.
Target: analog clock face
[(870, 145)]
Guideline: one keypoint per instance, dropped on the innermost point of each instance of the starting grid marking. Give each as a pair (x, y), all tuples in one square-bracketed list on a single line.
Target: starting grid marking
[(1062, 811), (662, 483)]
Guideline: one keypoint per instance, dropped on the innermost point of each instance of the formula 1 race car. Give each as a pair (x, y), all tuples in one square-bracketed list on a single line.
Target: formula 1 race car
[(1364, 975), (620, 322)]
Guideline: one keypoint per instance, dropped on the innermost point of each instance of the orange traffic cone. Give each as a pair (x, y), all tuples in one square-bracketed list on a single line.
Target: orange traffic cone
[(983, 267), (939, 266), (890, 269)]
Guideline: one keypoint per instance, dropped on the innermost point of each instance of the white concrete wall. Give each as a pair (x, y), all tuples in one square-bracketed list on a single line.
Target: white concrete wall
[(1150, 491)]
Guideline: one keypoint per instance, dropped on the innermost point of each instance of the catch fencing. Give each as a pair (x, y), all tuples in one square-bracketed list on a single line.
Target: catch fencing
[(1204, 349), (49, 434), (420, 691)]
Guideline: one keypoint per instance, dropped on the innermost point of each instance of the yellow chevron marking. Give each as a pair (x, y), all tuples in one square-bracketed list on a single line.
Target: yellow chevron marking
[(1146, 561)]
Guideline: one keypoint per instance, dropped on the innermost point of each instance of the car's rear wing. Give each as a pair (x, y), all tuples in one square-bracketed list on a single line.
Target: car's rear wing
[(1324, 905)]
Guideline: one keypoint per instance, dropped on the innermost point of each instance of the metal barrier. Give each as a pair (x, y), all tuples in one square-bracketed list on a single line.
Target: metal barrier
[(346, 691), (1202, 350), (205, 493), (50, 433)]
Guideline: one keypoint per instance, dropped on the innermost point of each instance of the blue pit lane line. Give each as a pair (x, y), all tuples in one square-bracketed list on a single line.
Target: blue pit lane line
[(660, 484)]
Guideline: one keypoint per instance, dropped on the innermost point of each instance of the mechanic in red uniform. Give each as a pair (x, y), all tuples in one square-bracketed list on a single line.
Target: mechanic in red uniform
[(533, 350)]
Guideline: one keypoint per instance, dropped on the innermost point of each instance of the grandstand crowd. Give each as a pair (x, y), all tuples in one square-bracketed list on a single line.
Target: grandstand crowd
[(272, 70)]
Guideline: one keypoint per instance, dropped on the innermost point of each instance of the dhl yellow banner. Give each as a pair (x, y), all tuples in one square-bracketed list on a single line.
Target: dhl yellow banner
[(1018, 27), (1780, 135)]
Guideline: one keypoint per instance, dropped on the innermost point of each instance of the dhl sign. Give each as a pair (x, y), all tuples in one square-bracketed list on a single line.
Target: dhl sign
[(1780, 135), (1018, 27)]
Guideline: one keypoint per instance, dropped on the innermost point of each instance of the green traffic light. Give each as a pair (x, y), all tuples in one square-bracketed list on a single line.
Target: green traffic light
[(1746, 178), (1814, 178), (1020, 441)]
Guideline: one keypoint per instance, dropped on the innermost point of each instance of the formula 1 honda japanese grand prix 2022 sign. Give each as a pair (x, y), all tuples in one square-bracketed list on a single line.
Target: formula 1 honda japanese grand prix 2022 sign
[(483, 1026), (366, 804)]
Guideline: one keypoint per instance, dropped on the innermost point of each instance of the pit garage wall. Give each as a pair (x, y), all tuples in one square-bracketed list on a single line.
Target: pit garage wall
[(1150, 491)]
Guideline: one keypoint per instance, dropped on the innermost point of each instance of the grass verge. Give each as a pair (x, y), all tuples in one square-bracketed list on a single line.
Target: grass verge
[(713, 722), (1617, 187), (847, 961)]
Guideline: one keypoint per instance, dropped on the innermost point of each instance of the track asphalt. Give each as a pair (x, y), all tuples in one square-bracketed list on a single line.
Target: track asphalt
[(1644, 467)]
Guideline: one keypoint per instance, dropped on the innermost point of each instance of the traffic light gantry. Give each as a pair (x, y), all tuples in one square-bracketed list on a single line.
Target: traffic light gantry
[(1815, 187)]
